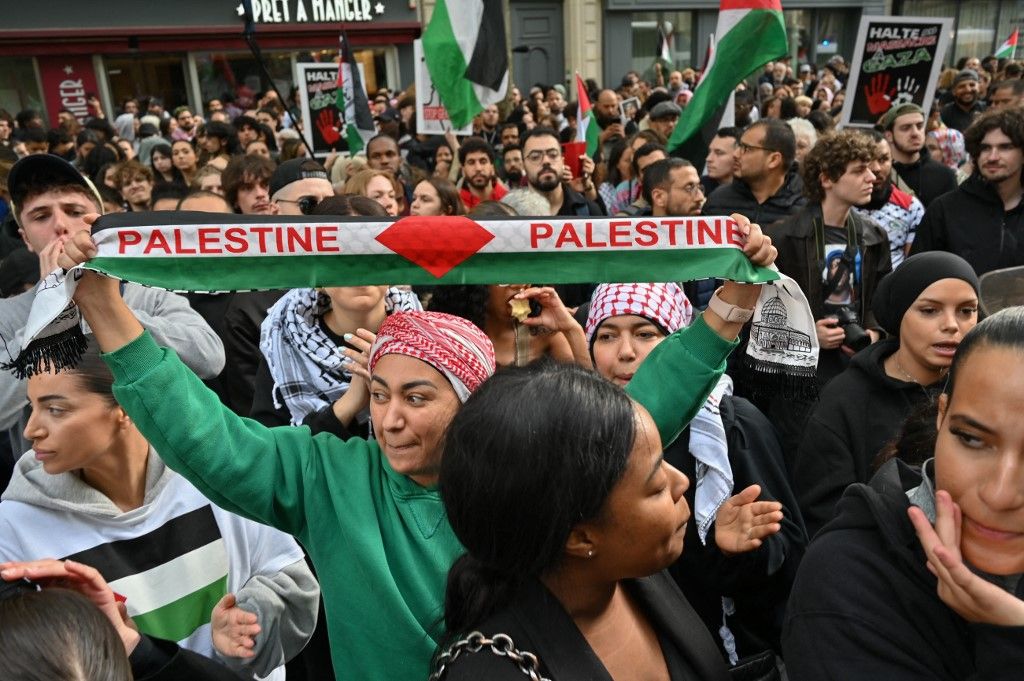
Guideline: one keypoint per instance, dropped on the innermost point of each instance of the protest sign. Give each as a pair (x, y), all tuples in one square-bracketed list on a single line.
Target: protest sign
[(322, 123), (897, 60), (431, 116)]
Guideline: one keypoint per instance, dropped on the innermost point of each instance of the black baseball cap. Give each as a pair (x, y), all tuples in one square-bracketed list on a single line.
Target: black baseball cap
[(45, 169), (294, 170)]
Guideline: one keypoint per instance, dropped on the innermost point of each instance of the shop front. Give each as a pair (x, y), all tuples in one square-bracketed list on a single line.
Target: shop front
[(191, 51), (817, 29)]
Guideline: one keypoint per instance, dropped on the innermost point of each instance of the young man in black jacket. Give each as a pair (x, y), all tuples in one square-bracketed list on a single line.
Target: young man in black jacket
[(913, 170), (836, 256), (983, 220)]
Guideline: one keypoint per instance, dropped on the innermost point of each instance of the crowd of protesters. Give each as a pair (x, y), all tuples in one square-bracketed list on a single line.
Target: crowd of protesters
[(387, 482)]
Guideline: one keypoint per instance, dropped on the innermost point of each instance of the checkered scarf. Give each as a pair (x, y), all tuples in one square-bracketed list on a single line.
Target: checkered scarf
[(450, 344), (304, 362), (667, 306)]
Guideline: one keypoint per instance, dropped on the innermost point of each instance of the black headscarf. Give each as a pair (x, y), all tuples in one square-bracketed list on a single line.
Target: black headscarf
[(898, 291)]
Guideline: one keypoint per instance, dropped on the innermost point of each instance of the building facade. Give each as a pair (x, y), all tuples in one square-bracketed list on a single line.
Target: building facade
[(189, 51), (193, 50)]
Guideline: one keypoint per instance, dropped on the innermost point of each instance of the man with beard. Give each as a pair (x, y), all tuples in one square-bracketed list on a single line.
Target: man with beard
[(542, 156), (509, 135), (913, 170), (982, 220), (186, 129), (966, 104), (896, 211), (512, 166), (479, 178), (609, 118), (489, 119), (672, 188), (765, 186)]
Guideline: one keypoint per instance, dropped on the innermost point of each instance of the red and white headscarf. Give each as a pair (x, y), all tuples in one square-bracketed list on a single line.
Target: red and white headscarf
[(664, 304), (452, 345)]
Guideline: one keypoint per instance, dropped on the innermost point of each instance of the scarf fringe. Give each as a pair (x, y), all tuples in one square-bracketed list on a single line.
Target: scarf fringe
[(772, 379), (58, 352)]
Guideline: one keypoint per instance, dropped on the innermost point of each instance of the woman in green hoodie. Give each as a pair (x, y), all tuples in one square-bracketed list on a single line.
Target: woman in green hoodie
[(367, 511)]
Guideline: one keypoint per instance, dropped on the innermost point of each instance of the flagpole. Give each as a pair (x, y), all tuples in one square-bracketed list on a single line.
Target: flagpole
[(249, 34)]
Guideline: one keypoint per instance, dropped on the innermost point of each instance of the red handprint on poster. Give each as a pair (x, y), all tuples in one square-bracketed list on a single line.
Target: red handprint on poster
[(879, 95), (325, 123)]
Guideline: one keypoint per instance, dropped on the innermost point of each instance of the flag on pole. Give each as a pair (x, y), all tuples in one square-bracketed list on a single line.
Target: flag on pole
[(350, 98), (664, 49), (587, 129), (466, 54), (1009, 46), (750, 34)]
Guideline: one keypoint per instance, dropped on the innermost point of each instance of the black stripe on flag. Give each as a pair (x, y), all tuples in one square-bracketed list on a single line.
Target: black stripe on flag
[(174, 538), (489, 63)]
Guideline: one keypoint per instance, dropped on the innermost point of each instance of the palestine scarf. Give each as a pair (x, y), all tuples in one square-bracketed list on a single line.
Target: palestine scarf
[(306, 364), (211, 252)]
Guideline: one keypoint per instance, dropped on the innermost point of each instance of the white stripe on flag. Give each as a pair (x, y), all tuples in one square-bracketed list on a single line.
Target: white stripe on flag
[(177, 578), (465, 17)]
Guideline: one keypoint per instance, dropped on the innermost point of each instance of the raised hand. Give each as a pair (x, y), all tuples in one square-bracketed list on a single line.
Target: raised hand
[(879, 94), (742, 522), (233, 630), (357, 360), (325, 124), (906, 88), (970, 596), (86, 580)]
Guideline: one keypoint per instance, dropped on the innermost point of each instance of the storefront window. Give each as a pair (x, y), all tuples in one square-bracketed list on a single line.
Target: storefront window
[(799, 29), (676, 26), (18, 89), (975, 33), (237, 73), (144, 75)]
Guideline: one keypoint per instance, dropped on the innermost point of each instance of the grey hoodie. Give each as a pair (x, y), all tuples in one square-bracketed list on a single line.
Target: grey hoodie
[(285, 603)]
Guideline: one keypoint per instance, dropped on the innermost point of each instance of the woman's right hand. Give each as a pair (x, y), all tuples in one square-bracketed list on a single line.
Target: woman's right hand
[(85, 580), (78, 249), (969, 595)]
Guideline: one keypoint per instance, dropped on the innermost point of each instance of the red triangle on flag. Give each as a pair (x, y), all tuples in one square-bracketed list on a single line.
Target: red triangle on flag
[(437, 244)]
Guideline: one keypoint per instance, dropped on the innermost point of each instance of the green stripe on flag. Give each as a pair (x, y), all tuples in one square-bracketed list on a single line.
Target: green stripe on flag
[(593, 135), (309, 271), (178, 619), (756, 39), (447, 67)]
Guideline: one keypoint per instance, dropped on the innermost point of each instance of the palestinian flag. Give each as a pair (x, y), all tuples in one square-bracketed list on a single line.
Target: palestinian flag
[(664, 53), (750, 34), (467, 56), (350, 98), (1009, 46), (171, 576), (587, 129)]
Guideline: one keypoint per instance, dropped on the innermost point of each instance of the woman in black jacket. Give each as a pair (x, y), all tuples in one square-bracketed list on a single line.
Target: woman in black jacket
[(729, 446), (927, 305), (919, 575), (568, 527)]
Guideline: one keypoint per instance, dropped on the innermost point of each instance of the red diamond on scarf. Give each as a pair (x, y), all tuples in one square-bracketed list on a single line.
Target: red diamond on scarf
[(437, 244)]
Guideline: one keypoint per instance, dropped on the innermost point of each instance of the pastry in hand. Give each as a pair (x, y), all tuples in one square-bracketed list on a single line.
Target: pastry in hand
[(520, 309)]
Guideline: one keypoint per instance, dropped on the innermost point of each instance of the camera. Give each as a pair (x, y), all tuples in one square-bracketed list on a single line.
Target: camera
[(856, 337)]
